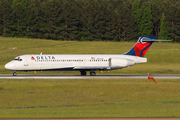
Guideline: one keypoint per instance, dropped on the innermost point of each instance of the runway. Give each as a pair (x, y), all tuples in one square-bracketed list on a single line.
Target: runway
[(87, 77)]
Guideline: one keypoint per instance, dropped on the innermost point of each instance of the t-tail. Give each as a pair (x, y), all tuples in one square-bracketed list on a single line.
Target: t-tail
[(142, 46)]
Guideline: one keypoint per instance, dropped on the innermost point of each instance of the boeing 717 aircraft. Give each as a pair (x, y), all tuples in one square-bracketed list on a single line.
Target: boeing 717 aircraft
[(83, 63)]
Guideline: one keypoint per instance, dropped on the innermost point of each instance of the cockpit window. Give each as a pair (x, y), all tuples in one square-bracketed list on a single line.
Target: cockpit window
[(18, 59)]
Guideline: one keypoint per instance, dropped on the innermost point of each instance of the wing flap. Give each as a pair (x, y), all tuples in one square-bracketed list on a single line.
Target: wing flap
[(97, 67)]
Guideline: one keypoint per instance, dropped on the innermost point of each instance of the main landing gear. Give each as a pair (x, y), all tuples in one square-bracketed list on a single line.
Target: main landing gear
[(14, 73), (92, 73), (83, 73)]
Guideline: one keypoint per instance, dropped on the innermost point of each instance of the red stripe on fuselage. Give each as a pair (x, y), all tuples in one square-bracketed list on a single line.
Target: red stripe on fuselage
[(139, 47)]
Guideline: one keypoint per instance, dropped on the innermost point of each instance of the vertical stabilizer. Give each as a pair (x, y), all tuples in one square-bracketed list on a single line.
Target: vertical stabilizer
[(142, 46)]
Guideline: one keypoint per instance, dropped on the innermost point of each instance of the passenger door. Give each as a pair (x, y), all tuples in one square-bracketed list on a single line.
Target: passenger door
[(26, 61)]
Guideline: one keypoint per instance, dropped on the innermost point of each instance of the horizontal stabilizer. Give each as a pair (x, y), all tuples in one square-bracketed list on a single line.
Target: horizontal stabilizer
[(149, 39), (154, 40)]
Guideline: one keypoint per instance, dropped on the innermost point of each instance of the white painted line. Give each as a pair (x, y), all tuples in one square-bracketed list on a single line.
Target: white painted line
[(88, 77)]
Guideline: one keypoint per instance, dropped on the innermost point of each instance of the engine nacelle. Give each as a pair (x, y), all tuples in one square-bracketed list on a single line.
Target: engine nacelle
[(120, 62)]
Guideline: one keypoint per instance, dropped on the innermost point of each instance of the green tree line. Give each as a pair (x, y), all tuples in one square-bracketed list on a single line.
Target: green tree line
[(90, 20)]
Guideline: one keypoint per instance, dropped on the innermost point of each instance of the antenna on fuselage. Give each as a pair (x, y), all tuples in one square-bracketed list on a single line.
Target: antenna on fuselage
[(41, 53)]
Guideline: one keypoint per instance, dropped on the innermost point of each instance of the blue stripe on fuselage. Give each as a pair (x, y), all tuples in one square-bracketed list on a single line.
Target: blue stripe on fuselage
[(53, 69)]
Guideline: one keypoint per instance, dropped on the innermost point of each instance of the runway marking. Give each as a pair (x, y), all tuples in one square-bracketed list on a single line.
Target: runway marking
[(88, 77)]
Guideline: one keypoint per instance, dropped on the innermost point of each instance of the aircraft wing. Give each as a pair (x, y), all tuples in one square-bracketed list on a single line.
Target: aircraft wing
[(97, 67)]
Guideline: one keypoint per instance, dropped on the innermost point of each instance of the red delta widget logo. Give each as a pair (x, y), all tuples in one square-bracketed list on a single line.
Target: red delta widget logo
[(43, 58)]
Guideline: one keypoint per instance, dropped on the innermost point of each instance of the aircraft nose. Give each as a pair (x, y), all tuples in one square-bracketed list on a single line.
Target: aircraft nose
[(9, 66)]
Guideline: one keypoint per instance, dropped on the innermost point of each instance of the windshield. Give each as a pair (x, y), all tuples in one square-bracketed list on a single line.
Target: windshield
[(18, 59)]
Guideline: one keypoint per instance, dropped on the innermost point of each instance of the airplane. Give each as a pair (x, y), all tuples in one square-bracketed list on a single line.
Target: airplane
[(83, 63)]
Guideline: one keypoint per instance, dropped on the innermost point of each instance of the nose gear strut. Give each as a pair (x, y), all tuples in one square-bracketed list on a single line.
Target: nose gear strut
[(14, 74)]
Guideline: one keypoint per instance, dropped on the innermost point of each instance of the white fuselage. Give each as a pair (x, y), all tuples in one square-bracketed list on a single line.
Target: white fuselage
[(72, 62)]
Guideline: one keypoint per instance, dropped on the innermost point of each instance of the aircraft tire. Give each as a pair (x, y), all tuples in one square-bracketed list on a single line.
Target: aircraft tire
[(83, 73), (92, 73), (14, 74)]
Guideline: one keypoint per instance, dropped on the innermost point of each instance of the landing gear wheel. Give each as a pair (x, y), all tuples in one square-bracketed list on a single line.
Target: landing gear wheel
[(14, 74), (83, 73), (92, 73)]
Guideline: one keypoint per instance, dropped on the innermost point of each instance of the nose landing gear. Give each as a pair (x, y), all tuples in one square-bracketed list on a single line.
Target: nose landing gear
[(14, 74)]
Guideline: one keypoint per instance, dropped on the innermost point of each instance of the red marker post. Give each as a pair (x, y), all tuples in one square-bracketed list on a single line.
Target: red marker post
[(150, 78)]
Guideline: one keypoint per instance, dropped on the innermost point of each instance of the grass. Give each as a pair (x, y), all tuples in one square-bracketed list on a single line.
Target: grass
[(88, 98), (36, 98), (163, 58)]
